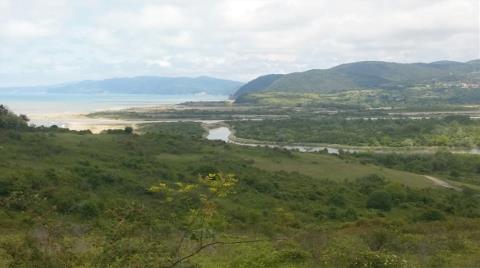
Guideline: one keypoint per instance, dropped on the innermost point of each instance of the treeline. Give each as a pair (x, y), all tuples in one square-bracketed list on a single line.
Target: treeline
[(184, 129), (458, 131), (192, 112), (10, 120)]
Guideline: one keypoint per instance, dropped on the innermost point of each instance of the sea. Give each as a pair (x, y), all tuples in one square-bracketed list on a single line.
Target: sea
[(37, 104)]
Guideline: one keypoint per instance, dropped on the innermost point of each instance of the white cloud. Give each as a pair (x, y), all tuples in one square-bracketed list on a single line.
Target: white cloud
[(238, 39), (159, 62), (26, 29), (161, 17)]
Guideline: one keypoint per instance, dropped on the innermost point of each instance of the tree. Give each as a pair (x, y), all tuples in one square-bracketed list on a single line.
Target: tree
[(432, 215), (24, 118), (201, 219), (380, 200), (10, 120), (3, 110)]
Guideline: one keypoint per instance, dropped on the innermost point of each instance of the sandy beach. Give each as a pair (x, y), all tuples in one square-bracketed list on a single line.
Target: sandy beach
[(80, 122)]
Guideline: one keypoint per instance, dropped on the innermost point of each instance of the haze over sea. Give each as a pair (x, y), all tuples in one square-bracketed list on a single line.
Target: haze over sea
[(42, 104)]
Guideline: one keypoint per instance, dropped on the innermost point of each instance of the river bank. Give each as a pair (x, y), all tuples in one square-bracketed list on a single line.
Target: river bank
[(226, 133), (215, 129)]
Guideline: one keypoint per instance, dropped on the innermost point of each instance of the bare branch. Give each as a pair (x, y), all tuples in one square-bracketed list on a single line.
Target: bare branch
[(199, 249)]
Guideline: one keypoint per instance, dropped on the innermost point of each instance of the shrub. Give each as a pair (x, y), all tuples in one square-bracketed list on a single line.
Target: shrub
[(5, 187), (350, 214), (337, 200), (9, 120), (380, 200), (377, 260), (432, 215), (87, 209), (369, 183)]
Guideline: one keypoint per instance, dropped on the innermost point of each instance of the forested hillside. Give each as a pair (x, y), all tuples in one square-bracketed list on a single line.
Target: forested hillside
[(389, 80)]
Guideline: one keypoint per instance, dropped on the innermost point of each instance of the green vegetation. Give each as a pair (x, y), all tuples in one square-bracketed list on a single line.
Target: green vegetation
[(370, 84), (185, 129), (165, 199), (12, 121), (456, 167), (192, 112), (419, 97), (452, 131)]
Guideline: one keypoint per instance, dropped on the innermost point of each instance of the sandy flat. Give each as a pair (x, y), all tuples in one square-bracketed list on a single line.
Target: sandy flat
[(80, 122), (97, 125)]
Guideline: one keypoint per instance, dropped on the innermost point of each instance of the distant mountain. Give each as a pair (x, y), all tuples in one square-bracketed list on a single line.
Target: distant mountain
[(146, 85), (363, 75)]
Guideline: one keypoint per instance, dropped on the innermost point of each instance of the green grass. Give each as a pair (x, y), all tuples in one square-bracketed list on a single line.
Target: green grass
[(331, 167)]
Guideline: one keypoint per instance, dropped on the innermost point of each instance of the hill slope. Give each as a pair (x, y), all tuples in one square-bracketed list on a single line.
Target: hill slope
[(260, 83), (363, 75), (166, 199)]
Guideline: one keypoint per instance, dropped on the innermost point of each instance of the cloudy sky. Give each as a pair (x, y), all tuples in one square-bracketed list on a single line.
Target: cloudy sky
[(52, 41)]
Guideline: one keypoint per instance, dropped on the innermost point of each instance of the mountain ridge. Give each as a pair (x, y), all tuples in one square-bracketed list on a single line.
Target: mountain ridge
[(141, 85), (363, 75)]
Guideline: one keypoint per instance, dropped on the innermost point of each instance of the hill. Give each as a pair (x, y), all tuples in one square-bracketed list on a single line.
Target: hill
[(364, 75), (166, 199), (145, 85), (258, 84)]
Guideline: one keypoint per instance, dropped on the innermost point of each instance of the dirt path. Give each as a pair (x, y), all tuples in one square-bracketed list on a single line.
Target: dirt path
[(442, 183)]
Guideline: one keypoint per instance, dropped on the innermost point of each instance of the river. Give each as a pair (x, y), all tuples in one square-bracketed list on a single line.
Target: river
[(225, 134), (220, 133)]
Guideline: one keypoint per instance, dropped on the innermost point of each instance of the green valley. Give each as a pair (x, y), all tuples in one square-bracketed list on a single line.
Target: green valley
[(170, 198), (239, 134)]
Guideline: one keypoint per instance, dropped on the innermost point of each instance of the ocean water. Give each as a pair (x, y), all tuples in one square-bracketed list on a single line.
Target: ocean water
[(35, 104)]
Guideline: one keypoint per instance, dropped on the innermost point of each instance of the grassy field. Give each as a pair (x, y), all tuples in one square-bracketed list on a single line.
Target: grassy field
[(330, 167)]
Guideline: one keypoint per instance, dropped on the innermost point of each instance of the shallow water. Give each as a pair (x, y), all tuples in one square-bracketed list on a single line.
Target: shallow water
[(221, 133)]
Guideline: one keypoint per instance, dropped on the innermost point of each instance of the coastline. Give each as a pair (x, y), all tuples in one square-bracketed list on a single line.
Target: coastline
[(79, 122), (82, 121)]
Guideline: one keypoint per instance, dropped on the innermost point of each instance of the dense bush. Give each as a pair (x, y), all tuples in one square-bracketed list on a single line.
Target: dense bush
[(432, 215), (449, 131), (87, 200), (380, 200), (11, 121)]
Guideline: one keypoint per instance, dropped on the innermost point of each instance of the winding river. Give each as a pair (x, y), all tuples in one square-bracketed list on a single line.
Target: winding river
[(224, 133), (219, 133)]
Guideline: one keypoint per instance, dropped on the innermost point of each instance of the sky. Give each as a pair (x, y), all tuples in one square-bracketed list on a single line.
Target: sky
[(53, 41)]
